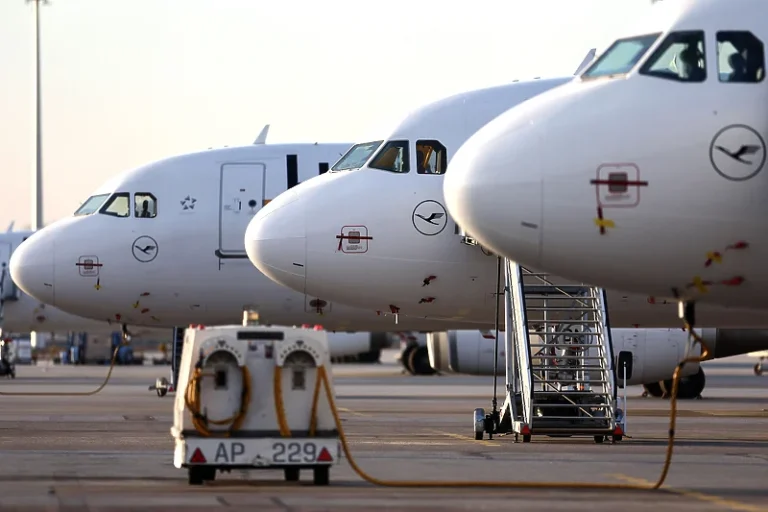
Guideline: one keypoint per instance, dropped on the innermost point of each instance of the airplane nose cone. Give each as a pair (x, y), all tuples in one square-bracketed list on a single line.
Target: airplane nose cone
[(275, 241), (32, 268), (495, 202)]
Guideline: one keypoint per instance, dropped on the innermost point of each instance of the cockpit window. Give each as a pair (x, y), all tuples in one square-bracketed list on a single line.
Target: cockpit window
[(740, 57), (91, 204), (393, 157), (145, 205), (357, 155), (431, 157), (119, 205), (621, 56), (679, 57)]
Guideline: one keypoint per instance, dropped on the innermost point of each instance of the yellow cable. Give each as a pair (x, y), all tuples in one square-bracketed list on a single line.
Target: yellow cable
[(323, 377), (71, 393), (193, 403)]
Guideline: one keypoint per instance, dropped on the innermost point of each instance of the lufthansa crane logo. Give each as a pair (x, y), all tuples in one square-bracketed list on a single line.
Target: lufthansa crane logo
[(737, 152), (144, 249), (429, 218)]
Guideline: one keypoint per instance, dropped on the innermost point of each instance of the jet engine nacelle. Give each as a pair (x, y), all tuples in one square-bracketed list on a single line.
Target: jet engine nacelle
[(650, 355), (361, 346)]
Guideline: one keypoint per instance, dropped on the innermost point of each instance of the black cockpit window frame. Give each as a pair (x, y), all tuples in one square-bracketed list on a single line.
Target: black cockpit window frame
[(104, 209), (368, 147), (595, 71), (754, 67), (383, 160), (674, 38), (441, 161), (91, 205), (138, 205)]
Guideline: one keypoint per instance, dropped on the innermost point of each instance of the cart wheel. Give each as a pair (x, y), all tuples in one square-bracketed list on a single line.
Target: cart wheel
[(209, 474), (291, 474), (196, 475), (322, 475), (479, 436), (526, 438), (617, 438), (599, 439)]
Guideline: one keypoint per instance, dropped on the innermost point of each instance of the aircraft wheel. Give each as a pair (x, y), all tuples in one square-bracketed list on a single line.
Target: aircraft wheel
[(654, 389), (419, 361), (758, 369), (689, 388), (405, 358)]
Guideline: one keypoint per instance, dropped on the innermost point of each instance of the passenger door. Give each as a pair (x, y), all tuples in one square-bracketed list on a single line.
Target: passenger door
[(241, 196)]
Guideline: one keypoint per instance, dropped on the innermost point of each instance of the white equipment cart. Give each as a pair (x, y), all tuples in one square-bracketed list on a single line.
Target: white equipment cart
[(254, 397)]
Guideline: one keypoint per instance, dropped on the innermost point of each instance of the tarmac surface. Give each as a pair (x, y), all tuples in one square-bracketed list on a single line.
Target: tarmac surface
[(113, 450)]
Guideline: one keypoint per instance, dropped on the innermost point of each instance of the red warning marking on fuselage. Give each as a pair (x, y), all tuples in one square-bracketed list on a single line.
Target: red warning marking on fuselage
[(618, 178), (357, 239), (717, 256)]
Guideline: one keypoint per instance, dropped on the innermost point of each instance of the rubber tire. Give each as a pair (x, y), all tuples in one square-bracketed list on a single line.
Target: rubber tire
[(370, 357), (690, 387), (654, 389), (527, 438), (405, 358), (758, 369), (292, 474), (322, 475), (479, 436), (209, 473), (419, 361), (617, 439), (195, 475), (161, 392)]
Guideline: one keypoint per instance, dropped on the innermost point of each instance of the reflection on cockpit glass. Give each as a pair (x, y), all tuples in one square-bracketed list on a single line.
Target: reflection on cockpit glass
[(621, 57), (356, 157), (91, 204), (679, 57), (119, 205)]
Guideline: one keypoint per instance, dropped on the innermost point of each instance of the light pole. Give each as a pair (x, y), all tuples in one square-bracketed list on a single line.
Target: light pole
[(37, 181)]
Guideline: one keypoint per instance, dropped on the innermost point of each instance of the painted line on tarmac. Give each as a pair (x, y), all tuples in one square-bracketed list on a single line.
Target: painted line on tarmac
[(710, 498)]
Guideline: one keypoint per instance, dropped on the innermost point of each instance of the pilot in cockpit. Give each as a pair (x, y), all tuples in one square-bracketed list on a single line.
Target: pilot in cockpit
[(144, 213), (422, 164), (690, 64)]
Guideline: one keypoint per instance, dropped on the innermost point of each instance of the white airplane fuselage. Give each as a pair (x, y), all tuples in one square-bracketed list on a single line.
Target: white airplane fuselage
[(22, 314), (648, 177), (402, 251), (187, 264)]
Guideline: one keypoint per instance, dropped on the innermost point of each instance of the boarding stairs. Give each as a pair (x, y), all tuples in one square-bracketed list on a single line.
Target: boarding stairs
[(560, 376), (162, 385), (562, 379)]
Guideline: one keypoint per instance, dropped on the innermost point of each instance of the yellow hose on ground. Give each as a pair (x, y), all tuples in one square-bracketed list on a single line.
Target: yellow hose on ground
[(71, 393), (200, 421), (323, 378)]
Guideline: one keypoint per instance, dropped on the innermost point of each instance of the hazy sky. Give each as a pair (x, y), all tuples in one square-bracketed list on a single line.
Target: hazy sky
[(131, 81)]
